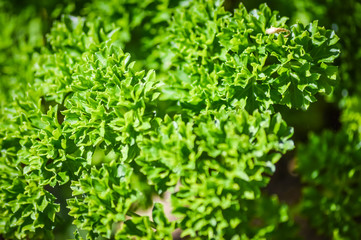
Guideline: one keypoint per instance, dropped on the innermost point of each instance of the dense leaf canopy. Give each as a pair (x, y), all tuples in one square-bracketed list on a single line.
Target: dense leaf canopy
[(121, 101)]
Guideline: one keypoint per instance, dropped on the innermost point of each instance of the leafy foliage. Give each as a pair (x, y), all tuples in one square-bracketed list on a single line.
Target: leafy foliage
[(238, 64), (20, 37), (344, 17), (202, 121), (143, 25), (229, 166), (330, 167), (351, 115), (328, 164)]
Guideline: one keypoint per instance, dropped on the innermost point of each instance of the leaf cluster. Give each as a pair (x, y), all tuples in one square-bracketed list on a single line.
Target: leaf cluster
[(223, 59), (200, 126)]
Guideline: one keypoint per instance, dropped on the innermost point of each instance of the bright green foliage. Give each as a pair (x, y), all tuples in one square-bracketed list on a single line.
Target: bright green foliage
[(231, 158), (222, 59), (55, 144), (330, 166), (20, 37), (118, 135), (351, 115), (143, 25), (27, 208), (219, 159), (105, 200), (344, 17), (330, 169)]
